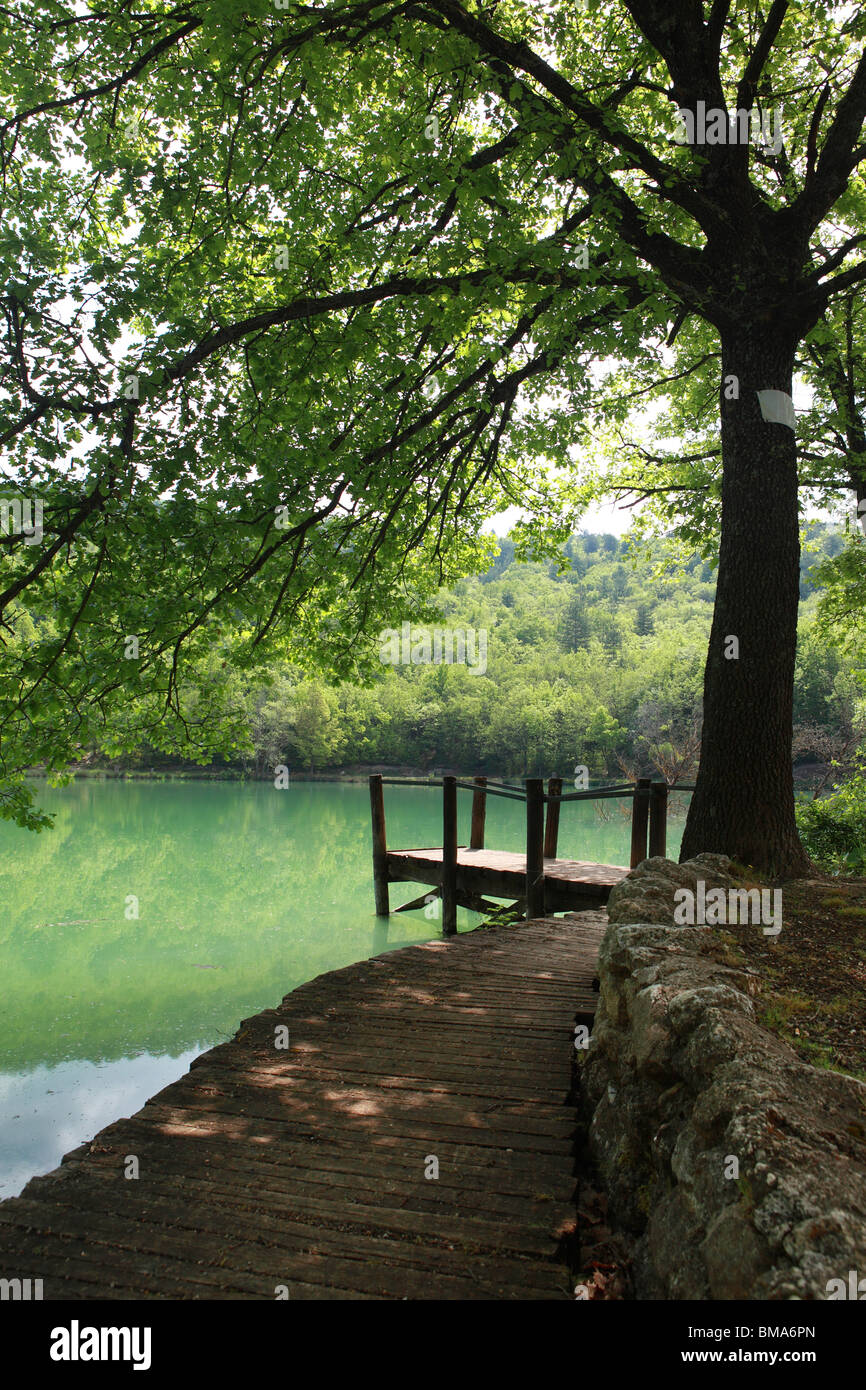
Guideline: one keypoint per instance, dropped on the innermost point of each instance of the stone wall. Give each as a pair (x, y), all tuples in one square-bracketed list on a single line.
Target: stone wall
[(740, 1169)]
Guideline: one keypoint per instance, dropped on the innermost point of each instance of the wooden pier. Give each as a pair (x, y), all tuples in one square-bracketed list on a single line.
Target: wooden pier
[(415, 1139), (537, 881)]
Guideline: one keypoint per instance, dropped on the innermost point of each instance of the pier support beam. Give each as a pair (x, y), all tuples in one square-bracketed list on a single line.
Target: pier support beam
[(380, 847), (551, 828), (658, 819), (479, 813), (534, 847), (449, 856), (639, 818)]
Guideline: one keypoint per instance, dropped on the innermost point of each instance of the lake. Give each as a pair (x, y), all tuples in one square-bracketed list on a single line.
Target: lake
[(155, 916)]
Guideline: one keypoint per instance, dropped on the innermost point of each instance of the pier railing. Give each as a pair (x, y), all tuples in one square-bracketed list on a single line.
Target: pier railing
[(648, 828)]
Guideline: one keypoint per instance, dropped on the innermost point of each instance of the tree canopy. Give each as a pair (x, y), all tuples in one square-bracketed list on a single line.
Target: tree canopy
[(296, 295)]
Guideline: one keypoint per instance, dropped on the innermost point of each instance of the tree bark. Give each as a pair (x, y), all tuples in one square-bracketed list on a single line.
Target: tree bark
[(743, 805)]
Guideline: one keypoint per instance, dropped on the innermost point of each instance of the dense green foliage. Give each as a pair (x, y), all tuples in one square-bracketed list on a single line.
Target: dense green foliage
[(599, 664), (296, 295), (833, 828)]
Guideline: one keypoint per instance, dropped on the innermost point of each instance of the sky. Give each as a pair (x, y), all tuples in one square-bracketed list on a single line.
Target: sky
[(611, 519), (615, 518)]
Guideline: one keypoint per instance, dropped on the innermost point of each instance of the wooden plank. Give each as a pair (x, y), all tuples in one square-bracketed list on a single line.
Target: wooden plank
[(567, 885), (504, 862), (305, 1164), (382, 1266), (307, 1167)]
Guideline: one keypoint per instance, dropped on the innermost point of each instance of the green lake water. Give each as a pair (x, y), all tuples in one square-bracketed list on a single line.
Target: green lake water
[(242, 892)]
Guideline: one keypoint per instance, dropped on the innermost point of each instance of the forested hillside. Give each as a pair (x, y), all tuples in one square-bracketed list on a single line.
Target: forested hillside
[(599, 664)]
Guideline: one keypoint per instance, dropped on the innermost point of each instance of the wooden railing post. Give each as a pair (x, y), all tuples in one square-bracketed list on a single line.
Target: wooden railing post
[(551, 829), (658, 819), (639, 818), (479, 813), (380, 848), (534, 847), (449, 856)]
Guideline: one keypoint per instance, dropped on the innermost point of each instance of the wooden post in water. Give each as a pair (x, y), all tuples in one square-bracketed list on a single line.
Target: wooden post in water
[(639, 818), (479, 813), (551, 829), (534, 847), (449, 856), (658, 819), (380, 849)]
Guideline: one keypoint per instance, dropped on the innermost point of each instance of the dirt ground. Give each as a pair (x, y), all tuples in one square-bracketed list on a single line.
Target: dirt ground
[(810, 980)]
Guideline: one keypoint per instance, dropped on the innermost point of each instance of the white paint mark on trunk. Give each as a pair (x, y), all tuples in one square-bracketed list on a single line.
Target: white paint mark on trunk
[(778, 408)]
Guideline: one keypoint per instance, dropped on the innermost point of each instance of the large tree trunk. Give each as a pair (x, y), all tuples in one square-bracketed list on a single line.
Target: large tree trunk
[(744, 802)]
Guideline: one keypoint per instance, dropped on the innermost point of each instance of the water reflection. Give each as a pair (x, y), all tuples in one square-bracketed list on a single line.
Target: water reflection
[(155, 916)]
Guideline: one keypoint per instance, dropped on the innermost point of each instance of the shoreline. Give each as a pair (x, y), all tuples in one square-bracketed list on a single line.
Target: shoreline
[(229, 775)]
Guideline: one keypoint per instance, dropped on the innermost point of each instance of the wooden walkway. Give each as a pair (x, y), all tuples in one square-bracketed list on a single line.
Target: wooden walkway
[(568, 883), (538, 881), (305, 1167)]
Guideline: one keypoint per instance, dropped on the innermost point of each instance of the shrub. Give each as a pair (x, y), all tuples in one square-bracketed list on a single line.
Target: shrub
[(833, 829)]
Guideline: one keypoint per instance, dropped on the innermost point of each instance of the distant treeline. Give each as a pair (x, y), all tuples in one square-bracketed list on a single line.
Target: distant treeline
[(600, 664)]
